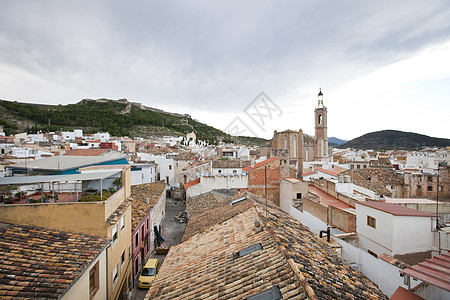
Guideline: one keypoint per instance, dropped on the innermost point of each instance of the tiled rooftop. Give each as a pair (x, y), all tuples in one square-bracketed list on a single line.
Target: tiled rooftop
[(196, 163), (186, 156), (329, 172), (38, 263), (202, 218), (383, 176), (191, 183), (261, 163), (326, 199), (139, 195), (395, 209), (205, 265), (114, 217), (86, 152), (235, 163)]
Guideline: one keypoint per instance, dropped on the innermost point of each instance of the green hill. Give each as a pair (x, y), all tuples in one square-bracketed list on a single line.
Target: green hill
[(118, 117), (393, 139)]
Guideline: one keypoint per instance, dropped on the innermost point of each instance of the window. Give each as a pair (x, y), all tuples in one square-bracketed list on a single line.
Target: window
[(167, 179), (371, 221), (272, 293), (122, 258), (299, 195), (94, 279), (122, 222), (136, 265), (115, 274), (234, 171), (430, 188), (114, 234), (136, 239), (419, 188), (249, 250), (170, 167), (220, 171), (372, 253)]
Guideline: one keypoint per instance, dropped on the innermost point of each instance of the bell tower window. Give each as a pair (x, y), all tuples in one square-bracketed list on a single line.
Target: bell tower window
[(319, 119)]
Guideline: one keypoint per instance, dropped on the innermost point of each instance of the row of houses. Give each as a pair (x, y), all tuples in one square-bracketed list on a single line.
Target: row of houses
[(79, 249)]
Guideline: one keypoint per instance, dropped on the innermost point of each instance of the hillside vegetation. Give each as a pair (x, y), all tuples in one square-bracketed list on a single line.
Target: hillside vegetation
[(393, 139), (119, 118)]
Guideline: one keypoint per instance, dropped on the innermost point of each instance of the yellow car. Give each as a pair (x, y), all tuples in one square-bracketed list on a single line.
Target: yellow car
[(148, 273)]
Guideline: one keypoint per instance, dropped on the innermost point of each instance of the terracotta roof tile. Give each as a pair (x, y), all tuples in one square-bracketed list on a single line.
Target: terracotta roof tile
[(215, 271), (329, 172), (292, 258), (186, 156), (261, 163), (139, 195), (191, 183), (201, 217), (86, 152), (40, 263), (234, 163)]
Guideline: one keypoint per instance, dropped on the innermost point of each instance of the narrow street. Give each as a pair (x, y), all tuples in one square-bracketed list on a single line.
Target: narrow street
[(172, 233)]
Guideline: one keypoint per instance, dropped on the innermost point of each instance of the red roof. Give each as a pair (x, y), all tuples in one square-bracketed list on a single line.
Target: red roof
[(326, 199), (403, 294), (260, 164), (396, 210), (327, 171), (307, 174), (191, 183), (434, 271), (86, 152)]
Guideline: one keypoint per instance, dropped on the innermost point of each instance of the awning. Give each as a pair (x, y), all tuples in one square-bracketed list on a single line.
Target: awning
[(434, 271), (24, 180)]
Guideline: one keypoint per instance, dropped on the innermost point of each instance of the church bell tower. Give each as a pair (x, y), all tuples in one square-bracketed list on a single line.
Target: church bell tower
[(321, 135)]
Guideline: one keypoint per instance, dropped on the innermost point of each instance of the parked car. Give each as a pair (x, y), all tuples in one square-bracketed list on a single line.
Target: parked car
[(148, 273)]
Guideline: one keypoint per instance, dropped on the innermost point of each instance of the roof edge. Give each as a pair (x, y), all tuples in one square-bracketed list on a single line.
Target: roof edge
[(308, 289)]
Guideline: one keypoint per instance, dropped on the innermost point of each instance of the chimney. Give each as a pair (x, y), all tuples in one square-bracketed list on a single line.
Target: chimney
[(252, 162)]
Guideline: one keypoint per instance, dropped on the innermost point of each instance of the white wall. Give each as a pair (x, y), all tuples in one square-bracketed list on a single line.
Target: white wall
[(157, 215), (209, 183), (412, 234), (80, 289), (162, 167), (382, 234), (309, 220), (385, 275), (146, 175), (215, 171)]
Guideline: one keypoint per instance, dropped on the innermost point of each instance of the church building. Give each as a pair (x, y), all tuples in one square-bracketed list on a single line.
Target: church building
[(302, 147)]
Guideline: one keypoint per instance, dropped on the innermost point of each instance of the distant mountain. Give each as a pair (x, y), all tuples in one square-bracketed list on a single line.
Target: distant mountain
[(393, 139), (334, 141), (118, 117)]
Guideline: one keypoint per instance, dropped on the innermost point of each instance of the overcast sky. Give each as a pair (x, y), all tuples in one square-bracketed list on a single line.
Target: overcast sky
[(380, 64)]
